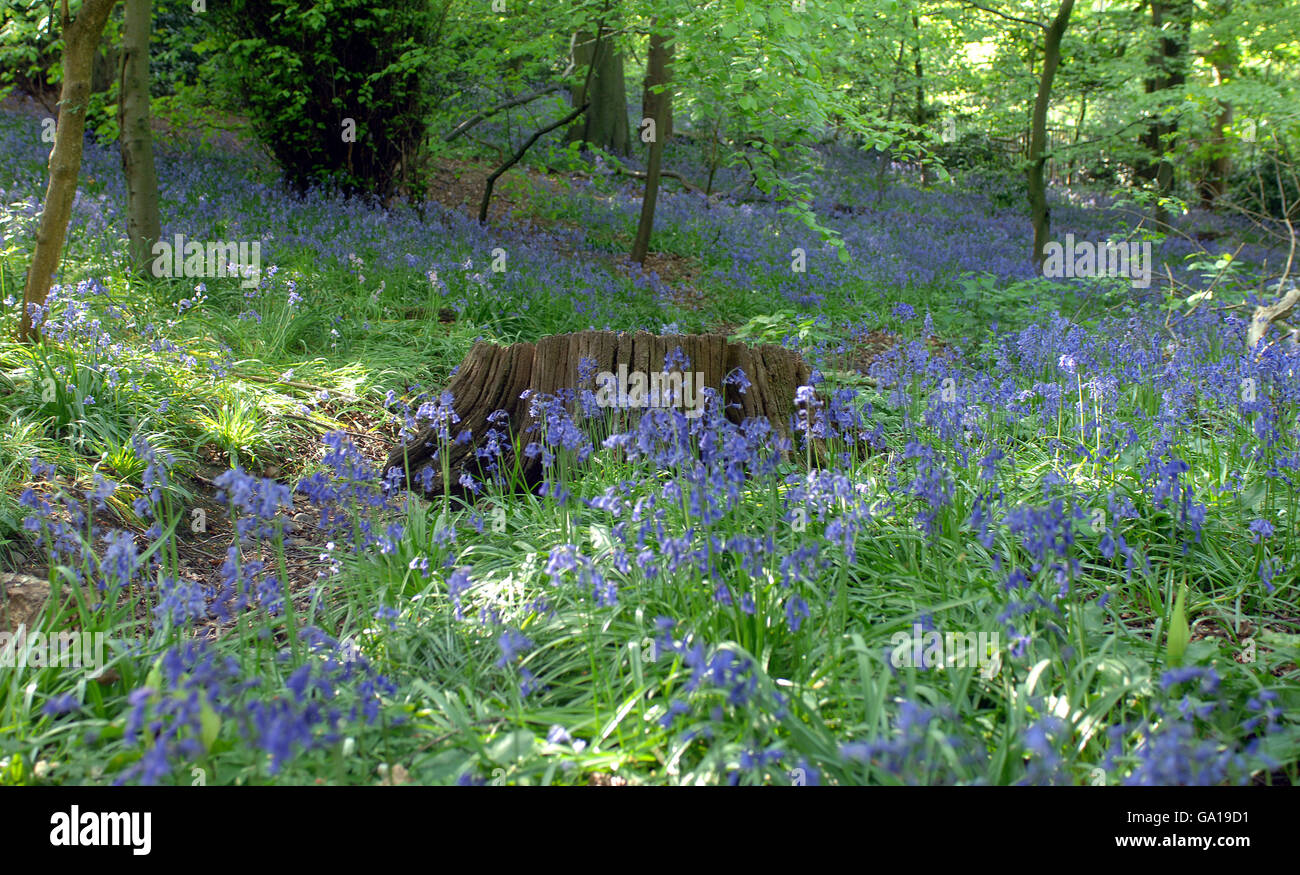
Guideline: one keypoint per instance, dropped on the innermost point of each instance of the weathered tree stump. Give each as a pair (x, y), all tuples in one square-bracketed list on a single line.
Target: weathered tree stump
[(494, 378)]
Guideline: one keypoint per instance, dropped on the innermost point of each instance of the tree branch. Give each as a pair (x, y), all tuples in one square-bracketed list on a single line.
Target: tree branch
[(1037, 24), (1267, 315), (500, 107), (668, 174), (514, 159), (1115, 133)]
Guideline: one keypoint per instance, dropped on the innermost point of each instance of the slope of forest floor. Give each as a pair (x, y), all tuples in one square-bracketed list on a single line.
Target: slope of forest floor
[(1089, 482)]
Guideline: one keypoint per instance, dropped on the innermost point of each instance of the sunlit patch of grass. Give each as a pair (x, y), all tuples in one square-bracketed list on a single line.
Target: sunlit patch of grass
[(238, 427)]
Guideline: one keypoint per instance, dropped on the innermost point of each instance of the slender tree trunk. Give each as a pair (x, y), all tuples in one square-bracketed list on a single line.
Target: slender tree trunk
[(659, 106), (142, 215), (1224, 57), (882, 157), (656, 75), (1148, 166), (80, 38), (1040, 215), (714, 141), (1216, 182), (1170, 72), (919, 113), (1078, 134)]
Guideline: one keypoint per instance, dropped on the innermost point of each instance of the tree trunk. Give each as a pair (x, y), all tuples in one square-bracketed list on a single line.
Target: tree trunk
[(1039, 213), (143, 222), (1224, 58), (105, 65), (1216, 181), (1078, 135), (493, 378), (919, 113), (659, 106), (605, 123), (80, 38), (656, 74), (1170, 64), (1148, 166)]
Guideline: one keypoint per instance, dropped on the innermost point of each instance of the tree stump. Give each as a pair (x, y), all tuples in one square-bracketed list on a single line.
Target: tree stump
[(494, 378)]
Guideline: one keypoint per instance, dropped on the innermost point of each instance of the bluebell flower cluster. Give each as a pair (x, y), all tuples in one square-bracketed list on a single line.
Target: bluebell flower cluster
[(355, 502), (196, 694)]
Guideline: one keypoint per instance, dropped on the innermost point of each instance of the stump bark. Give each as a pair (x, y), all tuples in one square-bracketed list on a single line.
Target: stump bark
[(493, 378)]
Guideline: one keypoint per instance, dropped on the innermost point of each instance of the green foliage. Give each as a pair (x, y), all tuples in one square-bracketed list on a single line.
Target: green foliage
[(29, 46), (238, 427), (782, 327), (174, 60), (974, 151), (337, 92)]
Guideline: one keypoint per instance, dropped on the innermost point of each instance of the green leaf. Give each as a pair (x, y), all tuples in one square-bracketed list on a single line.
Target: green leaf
[(1179, 632), (209, 725), (153, 680), (513, 747)]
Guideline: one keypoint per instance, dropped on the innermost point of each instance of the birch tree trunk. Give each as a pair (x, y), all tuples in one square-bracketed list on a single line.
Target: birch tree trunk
[(80, 39)]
